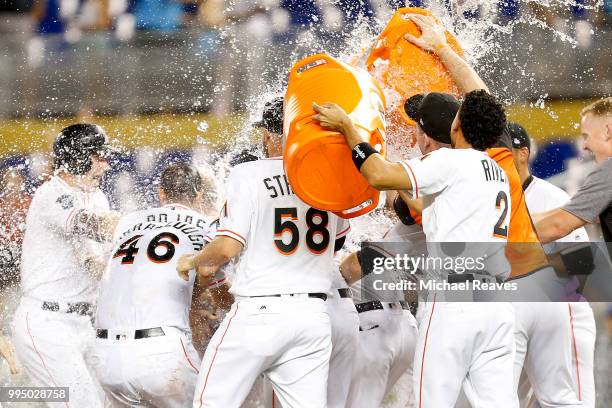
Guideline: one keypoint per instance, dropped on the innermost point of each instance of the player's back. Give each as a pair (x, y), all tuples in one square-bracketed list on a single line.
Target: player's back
[(141, 288), (524, 251), (465, 196), (288, 246)]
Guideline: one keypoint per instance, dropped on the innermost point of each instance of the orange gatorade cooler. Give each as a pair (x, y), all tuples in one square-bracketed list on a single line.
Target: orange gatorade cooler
[(405, 69), (318, 162)]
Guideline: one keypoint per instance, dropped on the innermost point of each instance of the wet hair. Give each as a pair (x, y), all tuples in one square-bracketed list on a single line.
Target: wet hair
[(181, 181), (482, 119), (601, 107)]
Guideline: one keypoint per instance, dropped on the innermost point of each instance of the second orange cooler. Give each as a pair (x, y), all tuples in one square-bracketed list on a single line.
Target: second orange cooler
[(317, 161)]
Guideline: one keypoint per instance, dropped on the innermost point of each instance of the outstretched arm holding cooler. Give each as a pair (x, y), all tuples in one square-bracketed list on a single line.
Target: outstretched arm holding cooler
[(378, 171), (433, 39), (425, 175)]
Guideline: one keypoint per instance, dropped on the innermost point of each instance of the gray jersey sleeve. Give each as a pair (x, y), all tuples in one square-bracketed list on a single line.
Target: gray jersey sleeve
[(594, 195)]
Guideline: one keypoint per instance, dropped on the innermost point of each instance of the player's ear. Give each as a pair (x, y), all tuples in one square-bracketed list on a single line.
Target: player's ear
[(524, 155), (162, 195), (426, 142)]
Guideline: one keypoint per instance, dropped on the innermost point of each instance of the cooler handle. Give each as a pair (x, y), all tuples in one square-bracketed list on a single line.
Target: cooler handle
[(329, 61)]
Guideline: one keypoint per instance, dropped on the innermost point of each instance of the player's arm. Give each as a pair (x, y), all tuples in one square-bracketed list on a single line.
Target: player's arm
[(433, 39), (99, 227), (555, 224), (201, 313), (350, 268), (207, 262), (221, 296), (378, 171), (96, 266), (415, 205)]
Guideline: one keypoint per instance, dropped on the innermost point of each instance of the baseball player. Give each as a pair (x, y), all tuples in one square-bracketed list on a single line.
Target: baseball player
[(555, 341), (387, 330), (279, 324), (524, 251), (340, 307), (559, 387), (471, 342), (63, 258), (143, 354)]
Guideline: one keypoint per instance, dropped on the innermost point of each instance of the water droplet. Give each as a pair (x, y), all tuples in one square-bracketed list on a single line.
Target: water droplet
[(203, 126)]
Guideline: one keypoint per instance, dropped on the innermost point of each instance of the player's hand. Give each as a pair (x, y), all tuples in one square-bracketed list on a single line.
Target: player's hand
[(206, 272), (433, 34), (186, 263), (331, 116)]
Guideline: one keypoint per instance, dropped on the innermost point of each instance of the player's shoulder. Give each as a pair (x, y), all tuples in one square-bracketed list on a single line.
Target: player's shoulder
[(127, 220), (456, 158), (436, 154), (263, 163), (189, 212), (245, 172), (548, 189), (135, 216), (53, 186), (445, 153), (53, 192)]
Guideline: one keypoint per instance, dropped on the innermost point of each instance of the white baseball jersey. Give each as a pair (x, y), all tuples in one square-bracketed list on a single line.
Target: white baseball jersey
[(466, 196), (289, 246), (141, 288), (52, 260), (541, 196)]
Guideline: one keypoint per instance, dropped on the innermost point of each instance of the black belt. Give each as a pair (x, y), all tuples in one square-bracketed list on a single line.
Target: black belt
[(345, 293), (80, 308), (377, 305), (138, 334), (322, 296)]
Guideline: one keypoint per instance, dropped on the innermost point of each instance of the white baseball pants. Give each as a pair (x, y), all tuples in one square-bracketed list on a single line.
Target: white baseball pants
[(469, 346), (345, 331), (565, 334), (286, 338), (53, 348), (158, 372), (387, 341)]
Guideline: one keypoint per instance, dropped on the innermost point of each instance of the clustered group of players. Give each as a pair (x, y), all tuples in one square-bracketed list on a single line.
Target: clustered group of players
[(107, 298)]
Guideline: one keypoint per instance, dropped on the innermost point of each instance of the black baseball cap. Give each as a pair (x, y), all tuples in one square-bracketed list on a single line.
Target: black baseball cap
[(272, 116), (518, 136), (434, 112)]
